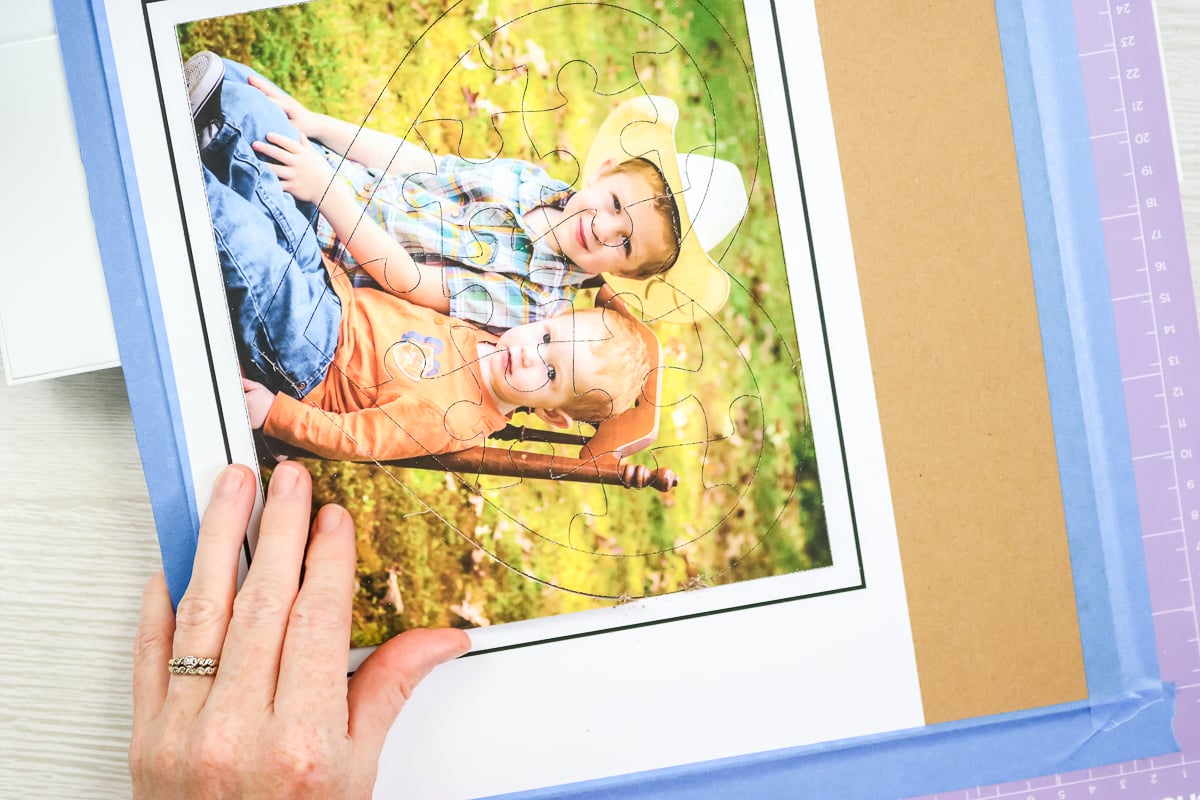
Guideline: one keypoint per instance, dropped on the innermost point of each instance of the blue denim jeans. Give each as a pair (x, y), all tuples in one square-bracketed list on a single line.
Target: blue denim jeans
[(285, 314)]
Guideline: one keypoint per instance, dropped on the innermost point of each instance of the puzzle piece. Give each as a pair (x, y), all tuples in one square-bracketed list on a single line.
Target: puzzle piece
[(526, 42), (512, 528), (486, 244)]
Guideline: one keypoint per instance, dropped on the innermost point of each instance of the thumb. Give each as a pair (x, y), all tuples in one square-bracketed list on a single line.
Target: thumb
[(387, 678)]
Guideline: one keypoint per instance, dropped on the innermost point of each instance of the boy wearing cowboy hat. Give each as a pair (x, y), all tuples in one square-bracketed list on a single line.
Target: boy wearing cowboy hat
[(501, 243)]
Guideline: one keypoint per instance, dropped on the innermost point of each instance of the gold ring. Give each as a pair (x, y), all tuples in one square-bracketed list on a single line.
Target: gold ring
[(192, 665)]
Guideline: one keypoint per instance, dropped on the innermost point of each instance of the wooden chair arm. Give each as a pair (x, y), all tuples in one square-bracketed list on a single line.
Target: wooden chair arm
[(605, 469)]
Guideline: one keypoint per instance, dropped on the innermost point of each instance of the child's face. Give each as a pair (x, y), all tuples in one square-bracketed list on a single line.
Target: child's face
[(612, 225), (543, 365)]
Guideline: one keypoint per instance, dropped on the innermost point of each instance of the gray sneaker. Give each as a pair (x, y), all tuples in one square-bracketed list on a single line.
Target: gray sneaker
[(203, 74)]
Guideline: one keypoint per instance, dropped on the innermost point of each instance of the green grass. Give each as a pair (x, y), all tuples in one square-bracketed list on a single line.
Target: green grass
[(461, 551)]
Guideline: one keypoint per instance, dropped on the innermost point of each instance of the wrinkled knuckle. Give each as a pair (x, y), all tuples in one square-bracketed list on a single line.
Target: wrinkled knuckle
[(149, 641), (137, 756), (256, 607), (211, 755), (151, 761), (302, 762), (319, 614), (405, 686), (198, 612)]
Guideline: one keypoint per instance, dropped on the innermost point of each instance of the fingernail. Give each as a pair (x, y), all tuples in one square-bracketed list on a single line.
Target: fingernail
[(229, 482), (283, 481), (329, 518)]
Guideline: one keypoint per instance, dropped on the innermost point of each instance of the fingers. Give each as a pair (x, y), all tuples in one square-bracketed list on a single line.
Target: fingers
[(387, 678), (283, 149), (316, 650), (151, 650), (250, 659), (299, 169), (266, 87), (203, 613)]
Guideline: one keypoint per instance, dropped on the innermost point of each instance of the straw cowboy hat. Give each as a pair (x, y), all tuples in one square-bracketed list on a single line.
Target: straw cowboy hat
[(708, 194)]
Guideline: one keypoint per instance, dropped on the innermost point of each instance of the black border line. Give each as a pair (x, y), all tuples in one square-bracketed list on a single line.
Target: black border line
[(862, 584), (812, 254), (187, 237)]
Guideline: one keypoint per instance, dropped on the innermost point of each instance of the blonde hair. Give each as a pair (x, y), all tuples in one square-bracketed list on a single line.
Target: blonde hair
[(663, 202), (622, 363)]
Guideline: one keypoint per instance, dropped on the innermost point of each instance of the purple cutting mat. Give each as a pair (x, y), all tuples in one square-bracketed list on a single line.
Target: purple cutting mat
[(1159, 348)]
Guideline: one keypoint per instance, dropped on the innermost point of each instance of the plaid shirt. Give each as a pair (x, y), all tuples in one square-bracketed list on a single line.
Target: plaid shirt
[(468, 219)]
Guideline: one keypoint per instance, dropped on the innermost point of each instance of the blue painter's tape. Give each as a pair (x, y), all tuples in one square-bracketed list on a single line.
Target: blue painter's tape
[(1129, 712), (937, 758), (1077, 278), (129, 273)]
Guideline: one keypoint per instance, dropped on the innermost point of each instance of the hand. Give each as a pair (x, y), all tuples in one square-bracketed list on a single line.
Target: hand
[(277, 720), (258, 402), (306, 122), (302, 172)]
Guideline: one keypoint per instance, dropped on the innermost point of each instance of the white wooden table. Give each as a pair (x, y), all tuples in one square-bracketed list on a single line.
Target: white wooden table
[(77, 541)]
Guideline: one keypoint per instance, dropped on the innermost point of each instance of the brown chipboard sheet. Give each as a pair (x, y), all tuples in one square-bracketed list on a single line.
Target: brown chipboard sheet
[(927, 157)]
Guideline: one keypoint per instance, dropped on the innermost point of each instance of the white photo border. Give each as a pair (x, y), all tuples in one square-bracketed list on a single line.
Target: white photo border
[(860, 629)]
